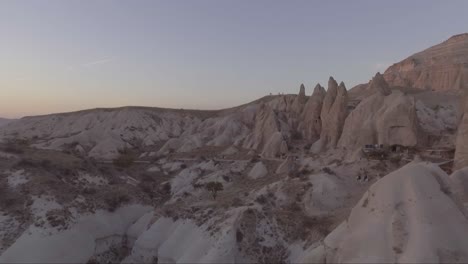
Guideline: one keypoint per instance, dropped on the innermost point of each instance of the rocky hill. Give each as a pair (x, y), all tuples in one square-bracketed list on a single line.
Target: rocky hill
[(296, 178), (4, 121), (440, 68)]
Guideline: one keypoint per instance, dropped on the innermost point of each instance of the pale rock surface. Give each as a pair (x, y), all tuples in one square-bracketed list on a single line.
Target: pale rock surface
[(459, 186), (461, 151), (379, 84), (275, 146), (405, 217), (312, 123), (90, 235), (287, 166), (333, 115), (300, 100), (266, 126), (441, 67), (4, 121), (379, 119), (259, 170)]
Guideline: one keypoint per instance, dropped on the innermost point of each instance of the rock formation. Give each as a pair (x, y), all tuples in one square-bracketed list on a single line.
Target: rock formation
[(396, 214), (379, 84), (461, 150), (287, 166), (265, 126), (312, 123), (381, 119), (300, 100), (441, 67), (333, 114), (275, 146), (259, 170)]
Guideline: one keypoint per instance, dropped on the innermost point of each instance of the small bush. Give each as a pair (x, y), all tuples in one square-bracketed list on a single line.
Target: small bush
[(239, 236), (167, 188), (296, 135), (328, 171), (254, 160), (261, 199), (125, 159), (147, 189), (214, 188), (115, 200), (197, 185), (16, 146)]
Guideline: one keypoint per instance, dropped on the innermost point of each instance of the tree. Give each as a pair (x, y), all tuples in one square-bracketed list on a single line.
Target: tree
[(214, 188)]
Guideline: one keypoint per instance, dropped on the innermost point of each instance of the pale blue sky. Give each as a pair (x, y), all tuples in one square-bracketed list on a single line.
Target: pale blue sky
[(66, 55)]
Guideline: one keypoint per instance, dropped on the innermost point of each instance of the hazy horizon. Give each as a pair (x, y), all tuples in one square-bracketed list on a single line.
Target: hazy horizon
[(60, 56)]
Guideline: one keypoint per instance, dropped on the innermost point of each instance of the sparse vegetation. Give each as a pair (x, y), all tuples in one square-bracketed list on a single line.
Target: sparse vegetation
[(214, 188), (328, 171), (116, 199), (125, 159), (16, 146)]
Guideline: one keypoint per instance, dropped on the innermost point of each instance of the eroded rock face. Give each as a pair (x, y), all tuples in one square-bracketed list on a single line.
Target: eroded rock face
[(382, 119), (300, 100), (379, 84), (442, 67), (275, 146), (333, 114), (265, 126), (461, 150), (395, 214), (312, 123)]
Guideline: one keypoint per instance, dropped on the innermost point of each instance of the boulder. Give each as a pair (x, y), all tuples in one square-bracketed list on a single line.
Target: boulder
[(259, 170)]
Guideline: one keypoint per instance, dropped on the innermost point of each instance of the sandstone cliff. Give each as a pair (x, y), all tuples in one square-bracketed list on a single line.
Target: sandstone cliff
[(441, 67)]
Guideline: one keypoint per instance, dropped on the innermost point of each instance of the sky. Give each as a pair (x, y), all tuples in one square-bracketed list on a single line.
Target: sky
[(59, 56)]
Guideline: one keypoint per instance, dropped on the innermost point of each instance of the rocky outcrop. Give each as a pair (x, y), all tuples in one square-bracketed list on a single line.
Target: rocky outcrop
[(259, 170), (461, 150), (311, 125), (287, 166), (441, 67), (275, 146), (379, 85), (333, 114), (379, 119), (265, 126), (300, 100), (409, 216)]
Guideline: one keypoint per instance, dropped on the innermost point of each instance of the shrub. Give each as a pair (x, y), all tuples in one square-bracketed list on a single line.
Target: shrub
[(115, 200), (296, 135), (254, 160), (261, 199), (16, 146), (125, 159), (328, 171), (167, 188), (214, 188)]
